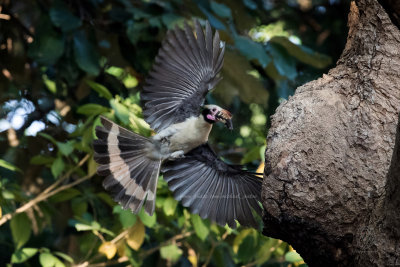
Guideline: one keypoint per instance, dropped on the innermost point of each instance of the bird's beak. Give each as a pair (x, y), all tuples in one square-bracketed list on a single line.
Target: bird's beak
[(225, 117)]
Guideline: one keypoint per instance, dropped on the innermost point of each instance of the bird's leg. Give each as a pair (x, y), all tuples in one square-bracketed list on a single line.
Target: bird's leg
[(164, 135), (177, 155)]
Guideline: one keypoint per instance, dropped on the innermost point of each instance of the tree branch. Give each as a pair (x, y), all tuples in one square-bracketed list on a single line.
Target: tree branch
[(48, 192)]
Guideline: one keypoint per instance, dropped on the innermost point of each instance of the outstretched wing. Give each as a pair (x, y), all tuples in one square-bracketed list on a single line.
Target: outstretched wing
[(213, 189), (185, 69)]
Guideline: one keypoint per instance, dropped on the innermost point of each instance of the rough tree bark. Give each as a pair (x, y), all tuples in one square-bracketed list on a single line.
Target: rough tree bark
[(332, 178)]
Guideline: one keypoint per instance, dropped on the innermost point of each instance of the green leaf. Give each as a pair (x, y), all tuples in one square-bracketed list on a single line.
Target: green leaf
[(66, 148), (79, 206), (283, 62), (216, 23), (100, 89), (293, 256), (134, 31), (302, 53), (148, 220), (9, 166), (121, 111), (64, 256), (265, 250), (48, 137), (127, 218), (171, 20), (171, 252), (221, 10), (200, 227), (41, 160), (48, 260), (91, 109), (65, 195), (83, 227), (63, 18), (20, 229), (169, 206), (250, 4), (57, 167), (46, 48), (85, 54), (23, 255), (251, 155), (252, 50), (246, 248)]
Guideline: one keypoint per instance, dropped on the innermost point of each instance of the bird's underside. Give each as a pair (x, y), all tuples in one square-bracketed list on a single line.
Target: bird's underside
[(186, 68)]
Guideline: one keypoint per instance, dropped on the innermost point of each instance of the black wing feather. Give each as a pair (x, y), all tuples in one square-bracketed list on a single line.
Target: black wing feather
[(185, 69), (213, 189)]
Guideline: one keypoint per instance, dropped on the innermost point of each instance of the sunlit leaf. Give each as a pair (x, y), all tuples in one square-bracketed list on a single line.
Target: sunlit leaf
[(23, 255), (171, 252), (64, 256), (200, 227), (83, 227), (100, 89), (48, 260), (265, 250), (169, 206), (20, 229), (108, 249), (239, 238), (146, 219), (9, 166), (91, 109), (120, 110), (135, 236), (293, 256)]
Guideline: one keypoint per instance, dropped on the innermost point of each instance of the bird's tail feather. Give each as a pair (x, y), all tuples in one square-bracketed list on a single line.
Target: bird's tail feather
[(131, 175)]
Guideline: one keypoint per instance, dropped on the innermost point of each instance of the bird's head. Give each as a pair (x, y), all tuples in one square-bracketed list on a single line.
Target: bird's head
[(214, 113)]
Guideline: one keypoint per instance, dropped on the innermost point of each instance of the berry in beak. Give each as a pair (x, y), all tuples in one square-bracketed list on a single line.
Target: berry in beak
[(225, 117)]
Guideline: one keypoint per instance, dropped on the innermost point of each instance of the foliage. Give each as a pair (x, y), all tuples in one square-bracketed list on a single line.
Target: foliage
[(66, 62)]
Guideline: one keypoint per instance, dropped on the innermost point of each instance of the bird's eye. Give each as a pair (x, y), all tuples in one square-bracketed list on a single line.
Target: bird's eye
[(214, 109)]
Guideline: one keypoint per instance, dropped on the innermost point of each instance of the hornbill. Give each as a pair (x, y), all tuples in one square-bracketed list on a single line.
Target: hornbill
[(185, 70)]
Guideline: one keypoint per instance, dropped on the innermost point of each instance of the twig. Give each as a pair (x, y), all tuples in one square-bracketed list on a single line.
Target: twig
[(48, 192), (172, 239), (143, 254), (119, 237), (214, 245)]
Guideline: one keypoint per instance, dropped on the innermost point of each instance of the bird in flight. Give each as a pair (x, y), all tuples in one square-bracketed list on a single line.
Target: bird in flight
[(185, 70)]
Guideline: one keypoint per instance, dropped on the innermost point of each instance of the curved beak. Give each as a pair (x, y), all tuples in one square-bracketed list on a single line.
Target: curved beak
[(225, 117)]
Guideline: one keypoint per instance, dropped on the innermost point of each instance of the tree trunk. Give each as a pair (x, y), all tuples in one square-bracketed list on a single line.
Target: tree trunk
[(332, 178)]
